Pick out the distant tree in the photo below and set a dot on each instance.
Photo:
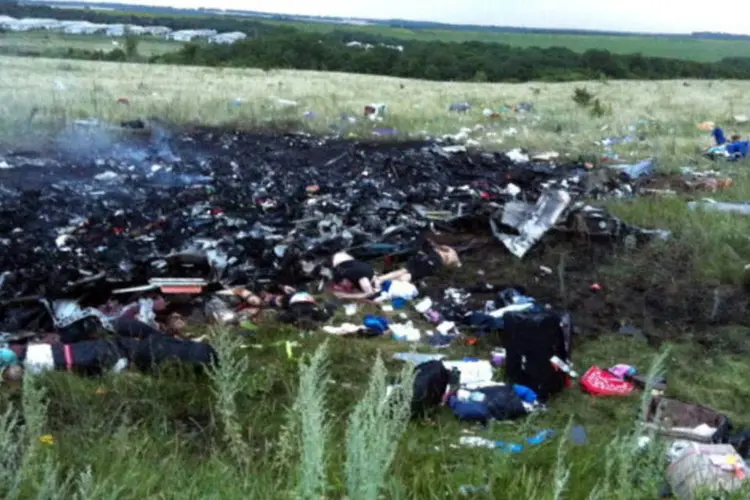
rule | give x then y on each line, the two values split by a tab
131	45
431	72
480	76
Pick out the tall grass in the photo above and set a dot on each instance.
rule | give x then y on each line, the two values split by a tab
375	428
229	379
316	457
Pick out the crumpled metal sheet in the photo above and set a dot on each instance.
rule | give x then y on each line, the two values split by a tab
532	221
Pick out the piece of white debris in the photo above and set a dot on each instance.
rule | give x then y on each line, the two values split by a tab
106	176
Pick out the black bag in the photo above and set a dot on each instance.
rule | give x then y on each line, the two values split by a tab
503	402
531	339
430	384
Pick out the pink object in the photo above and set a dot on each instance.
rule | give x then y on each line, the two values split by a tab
598	382
620	370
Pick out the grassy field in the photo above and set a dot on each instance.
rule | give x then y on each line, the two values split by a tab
679	48
267	426
57	44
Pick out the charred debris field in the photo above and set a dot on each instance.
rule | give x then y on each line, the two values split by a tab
98	212
100	207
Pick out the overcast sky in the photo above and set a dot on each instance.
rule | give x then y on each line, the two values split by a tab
666	16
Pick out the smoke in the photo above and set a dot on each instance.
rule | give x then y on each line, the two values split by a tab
135	142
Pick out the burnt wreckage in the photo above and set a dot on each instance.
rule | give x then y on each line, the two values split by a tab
217	209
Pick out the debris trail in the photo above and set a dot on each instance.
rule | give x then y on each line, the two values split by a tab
260	204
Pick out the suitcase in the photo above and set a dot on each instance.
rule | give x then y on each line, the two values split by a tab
675	419
531	339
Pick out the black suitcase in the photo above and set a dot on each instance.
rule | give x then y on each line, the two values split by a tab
531	339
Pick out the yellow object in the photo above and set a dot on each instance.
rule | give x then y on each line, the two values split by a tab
289	352
47	439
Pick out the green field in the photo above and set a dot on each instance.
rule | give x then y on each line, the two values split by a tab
686	48
57	44
658	46
672	47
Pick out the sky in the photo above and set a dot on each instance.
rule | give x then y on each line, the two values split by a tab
662	16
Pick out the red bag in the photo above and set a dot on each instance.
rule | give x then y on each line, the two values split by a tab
599	382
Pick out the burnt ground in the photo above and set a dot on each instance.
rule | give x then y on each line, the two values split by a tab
654	288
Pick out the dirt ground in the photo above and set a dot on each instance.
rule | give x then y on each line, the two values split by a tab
607	288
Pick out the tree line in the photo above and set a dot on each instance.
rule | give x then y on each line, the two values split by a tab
467	61
282	47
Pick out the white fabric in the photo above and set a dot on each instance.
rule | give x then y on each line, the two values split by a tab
120	366
340	258
39	358
402	290
300	297
472	372
146	312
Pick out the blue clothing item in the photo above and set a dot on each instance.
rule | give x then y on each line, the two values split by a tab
376	323
636	170
7	358
398	303
718	134
469	411
541	437
739	148
527	395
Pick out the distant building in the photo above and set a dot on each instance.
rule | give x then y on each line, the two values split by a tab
116	30
227	38
188	35
30	24
368	46
83	28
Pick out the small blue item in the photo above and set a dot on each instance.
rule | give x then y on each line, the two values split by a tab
718	134
511	296
636	170
470	360
578	435
398	303
534	440
541	437
509	447
7	358
376	323
386	285
527	395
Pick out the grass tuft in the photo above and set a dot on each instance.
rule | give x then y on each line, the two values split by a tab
375	428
